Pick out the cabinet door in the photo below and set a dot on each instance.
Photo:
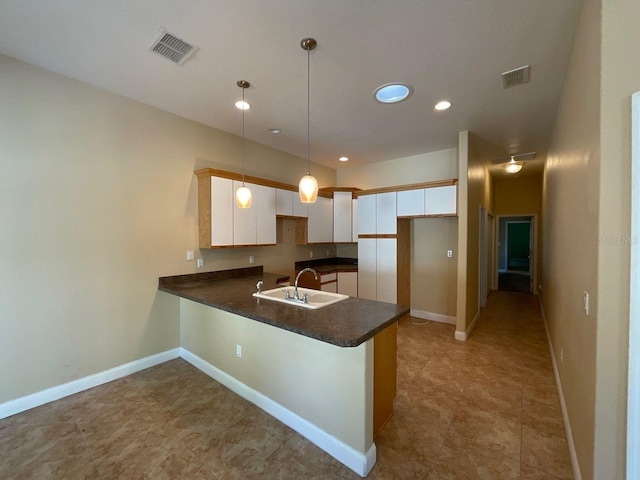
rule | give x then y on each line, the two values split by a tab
386	217
222	201
367	268
386	270
266	215
348	283
330	287
284	202
342	217
327	219
299	209
367	214
314	225
411	203
441	200
354	217
244	219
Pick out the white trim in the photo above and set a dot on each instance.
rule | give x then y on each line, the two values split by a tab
563	406
435	317
464	336
361	463
633	390
42	397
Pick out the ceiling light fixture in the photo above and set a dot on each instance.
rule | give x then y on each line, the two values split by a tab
243	194
512	166
344	159
392	92
443	105
241	104
274	130
308	188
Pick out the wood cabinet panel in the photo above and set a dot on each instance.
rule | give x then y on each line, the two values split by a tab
385	364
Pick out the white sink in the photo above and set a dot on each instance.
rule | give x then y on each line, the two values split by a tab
315	298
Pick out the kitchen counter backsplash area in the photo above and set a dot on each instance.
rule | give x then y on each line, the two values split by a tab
338	263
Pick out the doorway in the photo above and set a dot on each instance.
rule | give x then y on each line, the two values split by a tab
516	262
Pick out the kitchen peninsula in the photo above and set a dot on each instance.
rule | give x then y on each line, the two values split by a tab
311	369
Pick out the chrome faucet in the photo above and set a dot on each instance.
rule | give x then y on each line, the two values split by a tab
295	289
259	286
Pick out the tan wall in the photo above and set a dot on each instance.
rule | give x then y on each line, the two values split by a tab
97	200
284	367
431	238
620	78
517	196
474	190
570	256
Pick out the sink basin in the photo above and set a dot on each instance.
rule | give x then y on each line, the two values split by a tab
316	298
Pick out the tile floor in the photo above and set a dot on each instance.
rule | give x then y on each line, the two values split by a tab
484	409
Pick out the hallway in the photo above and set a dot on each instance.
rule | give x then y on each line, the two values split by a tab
487	408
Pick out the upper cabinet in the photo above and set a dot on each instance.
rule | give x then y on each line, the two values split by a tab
377	214
342	217
215	212
428	202
320	225
288	204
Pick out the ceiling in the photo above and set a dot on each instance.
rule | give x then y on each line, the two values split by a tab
445	49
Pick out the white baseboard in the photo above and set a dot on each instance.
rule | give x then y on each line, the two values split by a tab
361	463
435	317
563	406
464	336
33	400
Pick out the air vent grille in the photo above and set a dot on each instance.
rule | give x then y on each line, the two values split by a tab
516	77
173	48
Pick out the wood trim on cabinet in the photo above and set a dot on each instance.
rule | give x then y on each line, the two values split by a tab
413	186
403	295
377	235
212	172
438	215
332	190
385	360
204	212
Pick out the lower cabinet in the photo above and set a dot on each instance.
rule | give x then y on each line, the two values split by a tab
377	269
348	283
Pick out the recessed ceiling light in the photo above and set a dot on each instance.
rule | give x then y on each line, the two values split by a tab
442	105
344	159
392	92
242	105
274	130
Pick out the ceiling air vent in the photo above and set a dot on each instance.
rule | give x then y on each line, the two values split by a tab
173	48
516	77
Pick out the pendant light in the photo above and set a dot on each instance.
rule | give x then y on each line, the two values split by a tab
308	188
243	194
512	166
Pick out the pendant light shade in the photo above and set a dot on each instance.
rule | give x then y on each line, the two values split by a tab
243	194
308	188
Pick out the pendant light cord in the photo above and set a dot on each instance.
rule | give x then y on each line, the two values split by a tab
308	114
243	138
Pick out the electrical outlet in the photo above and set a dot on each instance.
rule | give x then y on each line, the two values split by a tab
310	254
239	351
327	253
190	255
449	253
251	259
200	262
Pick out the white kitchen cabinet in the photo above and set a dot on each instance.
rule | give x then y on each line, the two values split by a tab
342	217
266	214
354	220
348	283
386	213
441	200
244	219
221	215
284	202
367	214
411	203
320	225
367	268
329	287
288	204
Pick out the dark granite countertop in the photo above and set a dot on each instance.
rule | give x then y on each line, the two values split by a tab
346	324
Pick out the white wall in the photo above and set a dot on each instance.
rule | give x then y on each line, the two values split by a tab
97	200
